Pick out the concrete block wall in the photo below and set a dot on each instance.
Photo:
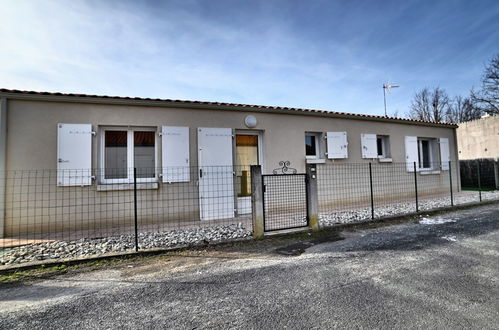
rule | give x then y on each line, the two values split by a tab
478	138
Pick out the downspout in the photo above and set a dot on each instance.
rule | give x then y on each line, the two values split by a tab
3	155
456	158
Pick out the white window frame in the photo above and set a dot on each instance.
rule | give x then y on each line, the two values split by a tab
130	154
432	143
317	137
385	146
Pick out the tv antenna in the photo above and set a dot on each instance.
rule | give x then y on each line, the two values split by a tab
386	89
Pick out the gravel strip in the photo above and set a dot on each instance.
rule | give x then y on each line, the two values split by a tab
123	243
364	214
98	246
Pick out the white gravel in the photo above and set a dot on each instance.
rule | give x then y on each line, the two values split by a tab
364	214
98	246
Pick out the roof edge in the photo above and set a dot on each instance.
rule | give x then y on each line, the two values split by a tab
157	102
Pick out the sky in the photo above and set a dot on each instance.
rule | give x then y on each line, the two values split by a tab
329	55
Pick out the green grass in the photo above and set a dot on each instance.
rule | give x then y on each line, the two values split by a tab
42	271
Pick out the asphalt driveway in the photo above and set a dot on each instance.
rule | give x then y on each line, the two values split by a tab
435	272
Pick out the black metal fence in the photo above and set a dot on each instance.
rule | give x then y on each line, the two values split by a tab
479	173
285	201
51	214
363	191
123	209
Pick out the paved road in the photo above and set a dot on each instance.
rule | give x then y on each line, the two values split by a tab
439	275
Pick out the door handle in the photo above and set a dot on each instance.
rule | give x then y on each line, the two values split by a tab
200	173
60	160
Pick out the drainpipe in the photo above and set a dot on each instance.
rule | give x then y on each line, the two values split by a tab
496	172
3	150
456	158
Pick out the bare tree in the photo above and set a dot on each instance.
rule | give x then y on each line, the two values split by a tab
487	98
462	109
430	105
420	106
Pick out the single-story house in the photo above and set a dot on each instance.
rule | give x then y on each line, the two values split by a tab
91	144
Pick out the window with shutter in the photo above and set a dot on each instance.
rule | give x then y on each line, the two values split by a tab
411	152
337	145
125	149
444	154
428	156
175	154
369	146
313	145
74	154
383	147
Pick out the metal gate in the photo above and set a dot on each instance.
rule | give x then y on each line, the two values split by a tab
284	201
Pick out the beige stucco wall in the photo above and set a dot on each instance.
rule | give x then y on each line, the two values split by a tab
32	128
479	138
32	145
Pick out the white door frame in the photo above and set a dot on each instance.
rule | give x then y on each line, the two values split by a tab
260	144
242	202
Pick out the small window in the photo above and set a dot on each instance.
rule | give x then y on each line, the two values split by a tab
379	142
383	146
427	153
126	149
312	145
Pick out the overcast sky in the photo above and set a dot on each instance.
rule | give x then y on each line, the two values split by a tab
332	55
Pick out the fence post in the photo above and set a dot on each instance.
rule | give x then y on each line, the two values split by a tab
257	201
372	192
416	186
312	197
135	206
450	181
479	180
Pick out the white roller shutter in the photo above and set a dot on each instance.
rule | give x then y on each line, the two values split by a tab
175	153
411	153
337	145
369	146
444	154
74	154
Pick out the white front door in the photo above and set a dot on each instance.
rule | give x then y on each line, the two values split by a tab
216	176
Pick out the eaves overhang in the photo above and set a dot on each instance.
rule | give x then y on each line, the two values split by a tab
151	102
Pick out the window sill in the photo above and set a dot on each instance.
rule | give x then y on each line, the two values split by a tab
315	161
127	186
385	160
429	172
